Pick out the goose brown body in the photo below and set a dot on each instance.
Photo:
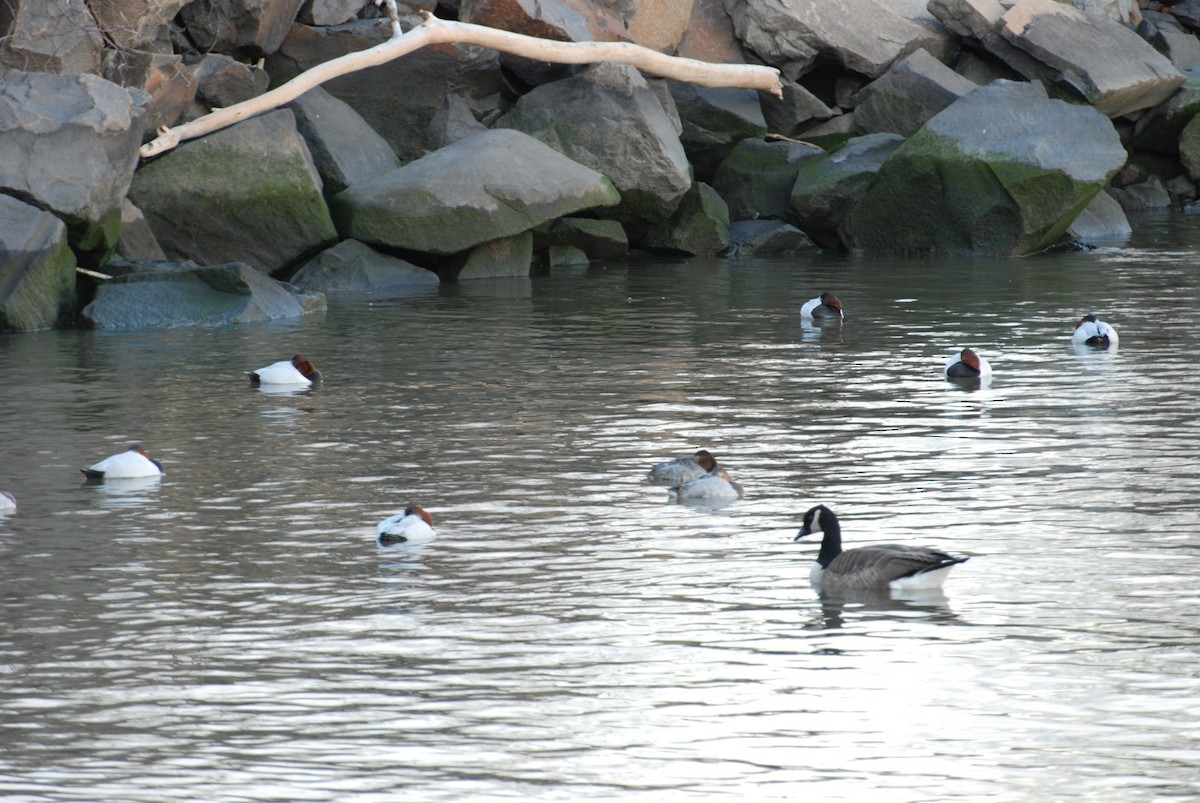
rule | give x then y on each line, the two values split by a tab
876	566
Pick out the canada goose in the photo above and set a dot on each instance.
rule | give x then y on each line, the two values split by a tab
1090	331
967	364
299	370
131	463
682	469
827	306
878	566
413	526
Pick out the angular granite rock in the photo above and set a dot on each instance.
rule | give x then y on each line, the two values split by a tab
1002	171
426	77
865	36
69	143
1113	68
252	27
351	266
901	100
609	119
599	239
766	237
713	121
490	185
344	148
248	193
1102	219
40	36
37	267
166	294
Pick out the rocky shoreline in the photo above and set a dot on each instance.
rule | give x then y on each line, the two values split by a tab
947	127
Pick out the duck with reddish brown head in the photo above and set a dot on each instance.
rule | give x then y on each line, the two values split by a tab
129	464
411	528
299	370
968	364
682	469
1091	331
826	307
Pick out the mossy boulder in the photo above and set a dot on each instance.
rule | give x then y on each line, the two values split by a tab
700	224
757	177
37	267
1002	171
249	193
827	189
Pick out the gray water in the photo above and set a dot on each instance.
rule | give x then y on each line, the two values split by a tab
233	633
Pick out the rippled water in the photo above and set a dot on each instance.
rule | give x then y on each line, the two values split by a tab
234	633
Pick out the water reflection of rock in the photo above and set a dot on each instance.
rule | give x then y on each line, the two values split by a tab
839	607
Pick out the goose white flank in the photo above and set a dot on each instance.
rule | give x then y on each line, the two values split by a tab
129	464
892	566
299	370
412	527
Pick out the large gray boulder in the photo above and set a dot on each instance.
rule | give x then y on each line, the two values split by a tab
506	258
827	189
248	193
609	119
713	121
864	36
222	81
1159	129
49	37
69	143
1101	220
345	149
1110	66
250	27
794	111
398	99
491	185
37	267
902	99
172	294
757	177
135	24
170	88
1003	171
351	266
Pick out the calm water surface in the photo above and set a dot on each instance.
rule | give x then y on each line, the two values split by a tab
233	632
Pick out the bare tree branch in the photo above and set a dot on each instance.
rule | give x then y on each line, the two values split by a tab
433	31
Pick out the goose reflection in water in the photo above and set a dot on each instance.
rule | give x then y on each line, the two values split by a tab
840	608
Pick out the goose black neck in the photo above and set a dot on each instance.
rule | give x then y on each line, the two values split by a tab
831	540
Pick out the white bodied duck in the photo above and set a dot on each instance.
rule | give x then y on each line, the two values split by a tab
413	526
968	364
825	307
892	566
1091	331
682	469
8	503
715	486
299	370
129	464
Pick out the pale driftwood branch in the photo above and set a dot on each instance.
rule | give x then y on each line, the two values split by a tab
434	31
